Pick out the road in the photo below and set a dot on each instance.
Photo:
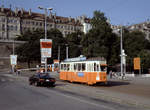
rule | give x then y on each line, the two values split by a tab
17	94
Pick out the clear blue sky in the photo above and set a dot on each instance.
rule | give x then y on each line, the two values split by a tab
119	11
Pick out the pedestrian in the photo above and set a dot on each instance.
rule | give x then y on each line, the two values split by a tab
110	74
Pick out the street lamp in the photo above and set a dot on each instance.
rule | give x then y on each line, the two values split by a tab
123	56
41	8
66	51
121	48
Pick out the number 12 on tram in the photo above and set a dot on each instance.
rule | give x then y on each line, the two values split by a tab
90	72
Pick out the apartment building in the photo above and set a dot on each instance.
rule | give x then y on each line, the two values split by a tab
143	27
16	22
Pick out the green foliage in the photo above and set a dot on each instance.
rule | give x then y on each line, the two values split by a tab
99	19
136	45
134	42
30	51
100	40
58	40
73	42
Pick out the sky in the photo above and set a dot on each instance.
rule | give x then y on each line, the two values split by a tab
120	12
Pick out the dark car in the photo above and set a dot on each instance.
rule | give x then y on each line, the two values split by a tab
42	79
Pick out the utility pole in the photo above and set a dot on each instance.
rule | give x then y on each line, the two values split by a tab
66	51
13	47
121	48
13	66
45	30
59	52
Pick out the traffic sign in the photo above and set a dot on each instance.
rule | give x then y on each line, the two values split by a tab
13	59
46	48
137	63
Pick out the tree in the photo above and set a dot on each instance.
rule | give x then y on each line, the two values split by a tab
58	40
136	45
73	42
30	51
100	40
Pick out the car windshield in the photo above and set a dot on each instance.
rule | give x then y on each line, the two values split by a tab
44	75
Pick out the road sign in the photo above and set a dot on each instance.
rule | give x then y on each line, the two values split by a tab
137	63
46	48
13	59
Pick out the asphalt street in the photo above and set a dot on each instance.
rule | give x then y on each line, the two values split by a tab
16	94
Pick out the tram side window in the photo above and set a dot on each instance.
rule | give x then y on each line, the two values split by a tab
103	68
83	67
68	67
79	66
95	67
65	67
98	67
89	67
75	67
62	67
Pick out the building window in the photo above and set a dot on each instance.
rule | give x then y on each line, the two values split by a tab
16	28
62	27
15	21
36	23
3	19
3	27
11	28
40	24
51	25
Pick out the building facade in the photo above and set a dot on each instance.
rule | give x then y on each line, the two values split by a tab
13	23
143	27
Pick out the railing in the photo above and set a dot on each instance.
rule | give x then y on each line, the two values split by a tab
11	41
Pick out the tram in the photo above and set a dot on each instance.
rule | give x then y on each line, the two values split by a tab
83	71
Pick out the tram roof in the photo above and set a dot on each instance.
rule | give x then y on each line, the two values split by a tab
87	60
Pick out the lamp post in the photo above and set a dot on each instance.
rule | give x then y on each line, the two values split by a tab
59	52
123	56
121	48
66	51
41	8
13	66
45	18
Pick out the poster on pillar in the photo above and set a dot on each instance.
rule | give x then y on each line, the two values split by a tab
13	59
137	63
46	48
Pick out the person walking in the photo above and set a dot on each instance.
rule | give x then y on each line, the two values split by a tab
110	74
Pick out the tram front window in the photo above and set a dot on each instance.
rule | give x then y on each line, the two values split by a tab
103	68
83	67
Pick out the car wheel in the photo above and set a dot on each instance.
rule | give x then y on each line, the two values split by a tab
52	85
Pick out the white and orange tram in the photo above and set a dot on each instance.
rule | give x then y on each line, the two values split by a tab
86	71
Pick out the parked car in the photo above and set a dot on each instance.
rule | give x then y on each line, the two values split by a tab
42	79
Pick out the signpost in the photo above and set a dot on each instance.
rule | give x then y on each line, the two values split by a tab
137	64
46	50
13	61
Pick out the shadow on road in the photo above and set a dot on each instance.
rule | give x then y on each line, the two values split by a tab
60	84
112	83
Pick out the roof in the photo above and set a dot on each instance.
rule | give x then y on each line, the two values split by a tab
32	15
